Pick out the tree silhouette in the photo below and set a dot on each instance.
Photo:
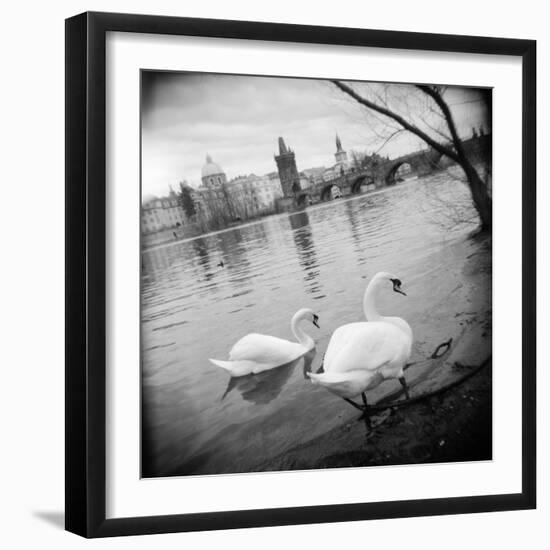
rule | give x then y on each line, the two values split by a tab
447	143
186	201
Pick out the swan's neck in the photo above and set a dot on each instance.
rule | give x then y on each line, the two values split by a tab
300	334
369	301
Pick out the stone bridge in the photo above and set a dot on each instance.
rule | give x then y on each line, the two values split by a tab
419	163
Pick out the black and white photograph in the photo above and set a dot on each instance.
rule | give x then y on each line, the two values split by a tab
262	288
316	273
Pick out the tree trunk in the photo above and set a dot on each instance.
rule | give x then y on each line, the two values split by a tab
480	196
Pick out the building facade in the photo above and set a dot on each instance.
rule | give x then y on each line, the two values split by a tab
219	201
161	213
256	194
242	196
269	191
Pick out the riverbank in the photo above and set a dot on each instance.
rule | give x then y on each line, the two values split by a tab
440	425
453	426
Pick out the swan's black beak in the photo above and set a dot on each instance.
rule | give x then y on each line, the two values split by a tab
316	321
397	286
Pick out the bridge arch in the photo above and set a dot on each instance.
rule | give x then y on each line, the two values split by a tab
326	192
390	176
302	200
355	187
405	169
421	163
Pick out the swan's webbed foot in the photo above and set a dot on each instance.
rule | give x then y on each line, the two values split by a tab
405	387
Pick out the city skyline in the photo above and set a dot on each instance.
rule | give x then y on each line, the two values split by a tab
237	121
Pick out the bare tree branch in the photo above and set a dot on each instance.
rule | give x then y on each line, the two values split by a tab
388	139
436	96
399	119
454	150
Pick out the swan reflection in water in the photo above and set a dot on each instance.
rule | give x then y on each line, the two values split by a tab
264	387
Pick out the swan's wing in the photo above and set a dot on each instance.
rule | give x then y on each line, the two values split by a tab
235	368
264	349
367	346
402	324
344	384
340	337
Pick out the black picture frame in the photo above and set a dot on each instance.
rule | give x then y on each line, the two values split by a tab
86	269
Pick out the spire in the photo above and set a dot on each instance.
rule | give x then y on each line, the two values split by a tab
208	159
282	147
338	144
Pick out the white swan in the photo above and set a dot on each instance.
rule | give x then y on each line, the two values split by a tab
362	355
256	353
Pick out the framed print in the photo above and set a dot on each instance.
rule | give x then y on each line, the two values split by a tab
284	300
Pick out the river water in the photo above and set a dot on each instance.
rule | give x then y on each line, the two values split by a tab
195	419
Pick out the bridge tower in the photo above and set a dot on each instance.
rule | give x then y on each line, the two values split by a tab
341	156
288	173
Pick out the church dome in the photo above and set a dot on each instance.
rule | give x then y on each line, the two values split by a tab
211	168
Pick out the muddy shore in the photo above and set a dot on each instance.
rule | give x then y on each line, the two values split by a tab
452	426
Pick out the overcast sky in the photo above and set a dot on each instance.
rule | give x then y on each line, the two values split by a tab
238	119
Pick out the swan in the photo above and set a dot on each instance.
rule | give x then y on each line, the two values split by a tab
361	355
256	353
